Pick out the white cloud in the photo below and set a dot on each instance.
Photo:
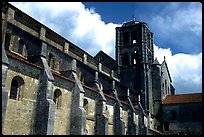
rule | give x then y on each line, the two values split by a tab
178	19
184	68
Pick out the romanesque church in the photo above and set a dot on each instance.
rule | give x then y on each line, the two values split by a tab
52	87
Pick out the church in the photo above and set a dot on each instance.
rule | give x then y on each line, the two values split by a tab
52	87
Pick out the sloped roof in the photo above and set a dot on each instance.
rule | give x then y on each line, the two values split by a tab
164	63
183	98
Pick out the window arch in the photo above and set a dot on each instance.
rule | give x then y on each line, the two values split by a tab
57	98
173	115
16	88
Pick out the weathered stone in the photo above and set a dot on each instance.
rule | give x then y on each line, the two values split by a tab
45	107
78	114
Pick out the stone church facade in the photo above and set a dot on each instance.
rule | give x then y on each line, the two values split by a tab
52	87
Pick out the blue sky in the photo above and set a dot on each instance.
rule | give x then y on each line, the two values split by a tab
155	13
177	28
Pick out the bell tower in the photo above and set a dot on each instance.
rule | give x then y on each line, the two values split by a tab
134	57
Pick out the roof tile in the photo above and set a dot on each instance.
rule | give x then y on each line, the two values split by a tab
183	98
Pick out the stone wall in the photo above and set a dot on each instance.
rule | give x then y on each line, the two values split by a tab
20	113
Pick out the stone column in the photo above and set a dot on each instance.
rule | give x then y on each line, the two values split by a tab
78	114
132	127
45	106
5	64
118	123
101	118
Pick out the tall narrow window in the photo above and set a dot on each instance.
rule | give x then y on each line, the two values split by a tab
134	57
16	88
125	59
134	37
57	98
126	38
173	115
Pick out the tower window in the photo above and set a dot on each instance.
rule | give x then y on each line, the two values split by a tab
16	88
126	60
57	98
134	36
126	38
134	57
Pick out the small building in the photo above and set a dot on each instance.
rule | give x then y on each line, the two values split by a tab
182	114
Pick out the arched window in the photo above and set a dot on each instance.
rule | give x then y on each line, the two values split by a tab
125	60
57	98
86	105
16	88
173	115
